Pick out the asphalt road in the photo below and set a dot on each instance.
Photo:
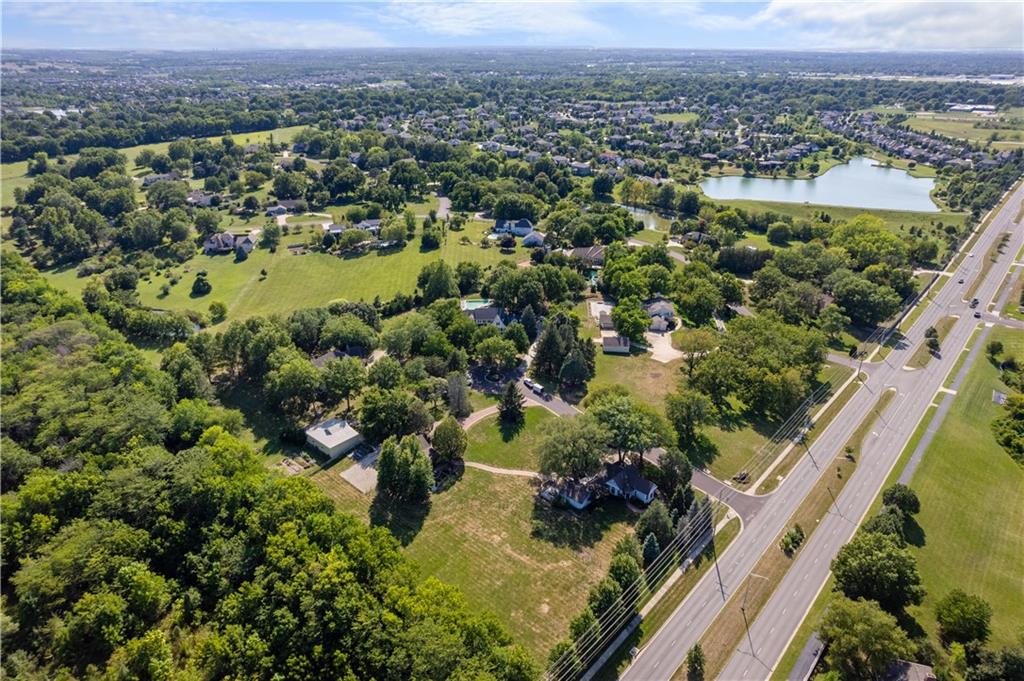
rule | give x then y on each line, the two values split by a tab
772	630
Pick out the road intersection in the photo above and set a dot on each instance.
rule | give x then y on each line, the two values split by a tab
772	630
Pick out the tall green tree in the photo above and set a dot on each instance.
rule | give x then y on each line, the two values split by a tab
963	617
573	448
343	379
511	406
876	567
449	441
861	640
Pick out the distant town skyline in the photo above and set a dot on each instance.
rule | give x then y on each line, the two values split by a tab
775	24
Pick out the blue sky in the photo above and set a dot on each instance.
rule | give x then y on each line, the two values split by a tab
773	24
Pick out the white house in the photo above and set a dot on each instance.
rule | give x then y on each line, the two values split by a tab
487	315
626	482
534	239
333	437
520	227
575	494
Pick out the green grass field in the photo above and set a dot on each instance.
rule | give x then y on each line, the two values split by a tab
972	504
679	117
737	438
530	565
1008	131
493	444
296	281
900	221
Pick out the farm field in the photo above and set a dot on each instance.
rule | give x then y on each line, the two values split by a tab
296	281
1009	131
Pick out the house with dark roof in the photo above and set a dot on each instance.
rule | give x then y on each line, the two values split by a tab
701	238
625	481
482	316
575	494
615	345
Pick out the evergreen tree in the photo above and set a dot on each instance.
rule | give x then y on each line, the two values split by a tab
574	370
458	395
695	663
510	408
651	549
550	354
529	321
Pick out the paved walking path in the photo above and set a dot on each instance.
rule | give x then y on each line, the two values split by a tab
497	470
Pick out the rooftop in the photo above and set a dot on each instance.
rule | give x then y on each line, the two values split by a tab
332	432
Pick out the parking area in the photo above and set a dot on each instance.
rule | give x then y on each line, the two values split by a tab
363	474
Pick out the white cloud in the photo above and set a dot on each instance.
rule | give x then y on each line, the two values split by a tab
189	26
536	19
903	25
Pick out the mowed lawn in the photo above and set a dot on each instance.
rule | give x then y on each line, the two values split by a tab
962	126
492	443
972	504
737	438
678	117
297	281
530	565
899	221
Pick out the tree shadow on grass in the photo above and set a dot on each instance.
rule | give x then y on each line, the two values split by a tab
913	532
910	625
402	519
577	530
510	429
703	451
265	422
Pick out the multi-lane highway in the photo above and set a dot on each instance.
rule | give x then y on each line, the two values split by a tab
772	630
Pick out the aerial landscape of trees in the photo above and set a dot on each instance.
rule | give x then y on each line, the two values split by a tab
204	256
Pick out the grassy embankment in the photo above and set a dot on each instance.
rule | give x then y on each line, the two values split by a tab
959	545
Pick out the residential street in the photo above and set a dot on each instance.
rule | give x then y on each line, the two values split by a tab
772	630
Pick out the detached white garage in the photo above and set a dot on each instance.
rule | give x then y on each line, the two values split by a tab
333	437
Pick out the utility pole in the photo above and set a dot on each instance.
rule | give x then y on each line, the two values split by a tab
834	504
743	611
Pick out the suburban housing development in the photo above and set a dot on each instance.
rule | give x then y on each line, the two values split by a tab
511	362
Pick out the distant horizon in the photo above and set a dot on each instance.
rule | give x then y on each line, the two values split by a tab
512	48
764	25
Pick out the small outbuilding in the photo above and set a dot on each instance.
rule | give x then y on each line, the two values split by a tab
616	345
333	437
